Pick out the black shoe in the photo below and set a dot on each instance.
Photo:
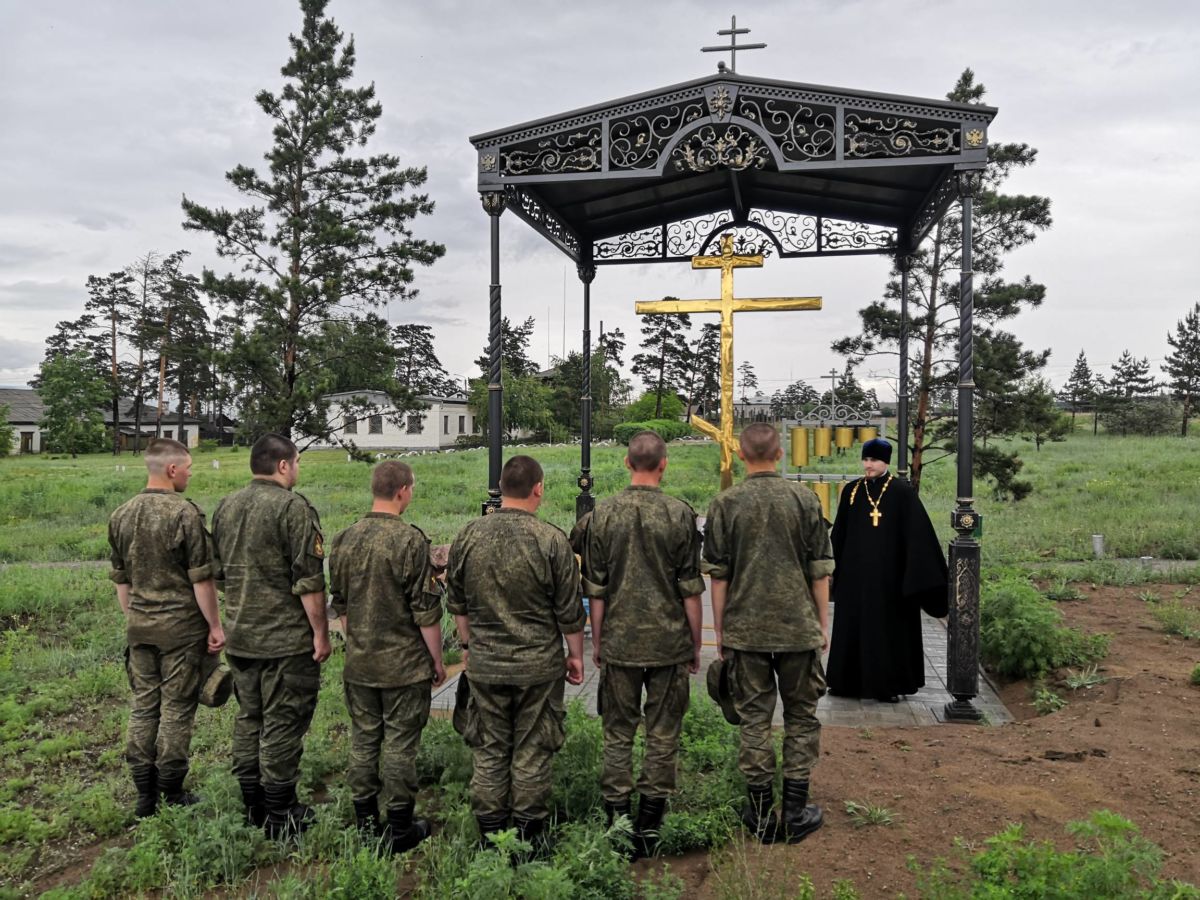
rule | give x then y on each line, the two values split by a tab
533	832
366	815
625	843
286	817
758	814
406	831
145	779
255	801
171	788
490	823
649	819
620	808
891	698
800	818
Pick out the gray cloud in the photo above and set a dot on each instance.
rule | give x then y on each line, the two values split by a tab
42	296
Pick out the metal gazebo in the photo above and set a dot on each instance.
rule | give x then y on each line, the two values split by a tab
793	171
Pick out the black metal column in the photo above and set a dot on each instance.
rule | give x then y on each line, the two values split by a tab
962	652
904	264
493	205
585	502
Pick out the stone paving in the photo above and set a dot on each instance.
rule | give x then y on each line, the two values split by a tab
923	708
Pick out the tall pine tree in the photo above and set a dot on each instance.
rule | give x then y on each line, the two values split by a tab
1182	364
1079	390
664	361
1003	223
329	234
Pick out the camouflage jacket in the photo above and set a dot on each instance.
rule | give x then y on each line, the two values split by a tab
642	558
270	552
160	548
515	578
380	581
766	537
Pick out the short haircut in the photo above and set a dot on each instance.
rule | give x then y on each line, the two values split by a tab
519	476
646	450
268	451
760	442
389	477
161	452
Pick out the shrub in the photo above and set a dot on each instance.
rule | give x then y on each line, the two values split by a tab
208	445
667	429
1021	632
1196	675
644	407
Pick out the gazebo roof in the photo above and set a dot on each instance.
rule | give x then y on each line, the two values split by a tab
793	169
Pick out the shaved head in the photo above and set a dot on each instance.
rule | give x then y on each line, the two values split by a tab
646	451
760	443
161	452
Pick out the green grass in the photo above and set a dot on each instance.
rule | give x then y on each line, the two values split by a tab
863	814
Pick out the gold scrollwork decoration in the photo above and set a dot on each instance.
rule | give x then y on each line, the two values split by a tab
733	148
890	136
720	104
578	151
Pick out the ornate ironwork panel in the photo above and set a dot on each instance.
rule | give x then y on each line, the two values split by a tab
574	151
934	206
687	238
795	233
543	219
749	239
637	141
835	413
840	235
872	135
647	243
716	147
803	131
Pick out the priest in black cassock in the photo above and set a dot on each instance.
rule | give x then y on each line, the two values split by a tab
889	565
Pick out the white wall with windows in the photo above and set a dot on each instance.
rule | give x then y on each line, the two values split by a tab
438	426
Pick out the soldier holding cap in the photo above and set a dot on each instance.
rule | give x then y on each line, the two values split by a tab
163	568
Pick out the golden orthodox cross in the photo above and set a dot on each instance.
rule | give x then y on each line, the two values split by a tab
727	261
876	515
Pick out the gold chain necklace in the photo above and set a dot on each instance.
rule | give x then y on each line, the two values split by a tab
875	514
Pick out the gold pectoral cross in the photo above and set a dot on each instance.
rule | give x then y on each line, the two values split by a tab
727	261
875	515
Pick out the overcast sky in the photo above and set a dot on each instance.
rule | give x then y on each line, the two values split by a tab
111	110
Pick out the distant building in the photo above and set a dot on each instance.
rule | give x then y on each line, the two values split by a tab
26	410
754	409
439	425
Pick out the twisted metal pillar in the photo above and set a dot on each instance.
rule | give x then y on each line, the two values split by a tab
585	502
962	652
493	205
904	263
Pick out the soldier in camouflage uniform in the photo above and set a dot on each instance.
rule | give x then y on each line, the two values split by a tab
768	553
271	557
641	569
163	569
381	583
514	592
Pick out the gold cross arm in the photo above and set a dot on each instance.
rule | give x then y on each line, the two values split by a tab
759	304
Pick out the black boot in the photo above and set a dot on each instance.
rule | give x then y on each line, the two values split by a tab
533	832
406	831
649	819
285	816
758	814
800	818
490	823
145	779
366	815
171	788
620	808
255	801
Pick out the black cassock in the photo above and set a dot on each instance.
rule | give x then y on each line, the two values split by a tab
884	575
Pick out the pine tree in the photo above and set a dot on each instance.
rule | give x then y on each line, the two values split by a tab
665	360
1182	364
109	299
747	378
1131	377
417	365
330	236
1080	388
1003	223
514	350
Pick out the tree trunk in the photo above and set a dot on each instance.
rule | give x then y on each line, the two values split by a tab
918	449
116	387
162	373
662	368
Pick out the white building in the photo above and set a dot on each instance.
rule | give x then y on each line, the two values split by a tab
438	426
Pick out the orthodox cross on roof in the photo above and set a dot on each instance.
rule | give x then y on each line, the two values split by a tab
733	31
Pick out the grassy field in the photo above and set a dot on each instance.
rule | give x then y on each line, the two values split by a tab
64	792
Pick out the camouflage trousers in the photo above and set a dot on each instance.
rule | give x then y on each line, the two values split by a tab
799	680
516	730
276	700
166	684
620	702
385	731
